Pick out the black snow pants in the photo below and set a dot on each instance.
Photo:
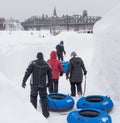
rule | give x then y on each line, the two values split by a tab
75	85
60	56
54	86
44	101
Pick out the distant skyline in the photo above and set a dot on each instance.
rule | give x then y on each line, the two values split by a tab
23	9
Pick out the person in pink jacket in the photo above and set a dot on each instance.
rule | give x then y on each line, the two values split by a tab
57	71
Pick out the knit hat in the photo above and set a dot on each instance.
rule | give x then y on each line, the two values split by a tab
73	54
39	55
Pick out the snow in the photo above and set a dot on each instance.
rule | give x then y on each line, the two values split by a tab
107	52
100	53
17	49
106	70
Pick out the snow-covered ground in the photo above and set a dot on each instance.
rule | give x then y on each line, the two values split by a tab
100	53
17	49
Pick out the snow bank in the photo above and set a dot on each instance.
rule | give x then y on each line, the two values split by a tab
13	106
106	59
105	68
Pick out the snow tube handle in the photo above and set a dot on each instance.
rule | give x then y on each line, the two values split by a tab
108	96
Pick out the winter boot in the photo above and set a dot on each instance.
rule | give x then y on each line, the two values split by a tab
44	105
80	94
33	100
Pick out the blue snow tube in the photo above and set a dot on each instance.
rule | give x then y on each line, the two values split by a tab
95	101
88	115
65	66
60	102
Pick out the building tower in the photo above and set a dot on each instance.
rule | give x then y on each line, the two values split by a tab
54	13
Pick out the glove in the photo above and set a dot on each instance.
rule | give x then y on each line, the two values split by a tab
85	73
61	73
23	85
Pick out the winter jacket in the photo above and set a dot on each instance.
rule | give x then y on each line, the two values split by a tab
55	65
38	69
75	70
60	49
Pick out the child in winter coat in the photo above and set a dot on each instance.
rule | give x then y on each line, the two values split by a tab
57	70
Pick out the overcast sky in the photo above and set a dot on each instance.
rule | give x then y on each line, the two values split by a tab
23	9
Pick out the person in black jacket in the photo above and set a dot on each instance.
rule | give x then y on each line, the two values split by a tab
39	69
60	50
76	69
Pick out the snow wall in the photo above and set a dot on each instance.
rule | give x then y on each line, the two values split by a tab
105	68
